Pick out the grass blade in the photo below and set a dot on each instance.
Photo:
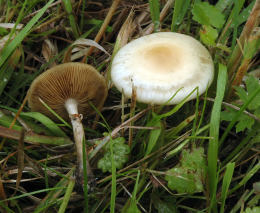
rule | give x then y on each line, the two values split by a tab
82	15
214	133
155	13
67	195
33	138
47	122
226	182
73	23
241	146
247	176
55	192
180	9
133	204
222	4
33	193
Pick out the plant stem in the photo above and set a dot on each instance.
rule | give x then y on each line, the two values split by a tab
71	106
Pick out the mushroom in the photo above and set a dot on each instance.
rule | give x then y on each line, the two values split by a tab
67	89
161	64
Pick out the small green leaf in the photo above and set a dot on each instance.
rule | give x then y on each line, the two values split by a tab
244	122
120	153
208	35
243	95
189	176
227	116
206	14
255	209
253	84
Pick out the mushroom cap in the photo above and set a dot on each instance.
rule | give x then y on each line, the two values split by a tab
73	80
159	64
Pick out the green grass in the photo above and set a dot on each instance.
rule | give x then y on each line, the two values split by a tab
214	133
226	183
73	23
155	13
38	168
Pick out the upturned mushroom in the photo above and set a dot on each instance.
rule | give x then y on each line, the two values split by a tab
67	89
162	64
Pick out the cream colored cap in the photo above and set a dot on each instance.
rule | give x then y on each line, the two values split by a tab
160	64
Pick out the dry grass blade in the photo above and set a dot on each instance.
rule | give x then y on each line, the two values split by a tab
2	192
5	39
247	60
49	50
123	36
33	138
111	11
114	133
81	51
11	25
125	32
252	21
20	160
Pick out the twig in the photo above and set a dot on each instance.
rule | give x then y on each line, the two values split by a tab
114	133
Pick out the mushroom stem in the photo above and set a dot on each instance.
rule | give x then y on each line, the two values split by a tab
71	106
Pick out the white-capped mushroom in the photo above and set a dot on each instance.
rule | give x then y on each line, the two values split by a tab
160	64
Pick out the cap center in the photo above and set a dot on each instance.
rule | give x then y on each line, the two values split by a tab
161	59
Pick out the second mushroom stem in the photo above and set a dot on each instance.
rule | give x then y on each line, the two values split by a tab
71	106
